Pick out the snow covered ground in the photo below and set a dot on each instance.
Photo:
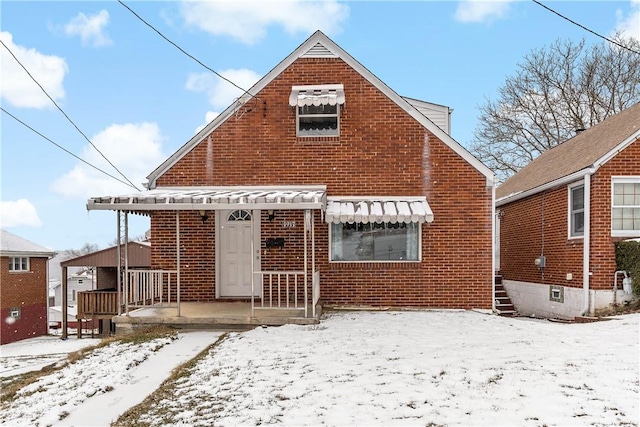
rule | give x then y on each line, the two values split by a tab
373	368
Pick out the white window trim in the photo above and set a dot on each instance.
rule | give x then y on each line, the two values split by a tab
15	312
328	135
570	188
633	179
20	270
397	261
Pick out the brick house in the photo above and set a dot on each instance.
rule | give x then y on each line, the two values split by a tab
23	288
559	217
323	179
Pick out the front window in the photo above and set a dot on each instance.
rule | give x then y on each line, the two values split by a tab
19	264
625	209
318	120
375	242
576	211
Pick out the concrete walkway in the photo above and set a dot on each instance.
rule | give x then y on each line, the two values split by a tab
103	409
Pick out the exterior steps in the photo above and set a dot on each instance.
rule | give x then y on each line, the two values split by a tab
504	306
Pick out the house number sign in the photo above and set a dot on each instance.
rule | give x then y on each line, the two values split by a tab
288	224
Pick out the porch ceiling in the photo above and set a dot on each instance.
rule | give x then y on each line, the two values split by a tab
212	198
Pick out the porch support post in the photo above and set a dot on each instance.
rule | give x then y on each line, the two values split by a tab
306	267
118	272
126	253
64	303
178	259
253	275
313	263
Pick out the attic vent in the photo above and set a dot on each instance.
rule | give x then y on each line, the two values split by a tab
318	51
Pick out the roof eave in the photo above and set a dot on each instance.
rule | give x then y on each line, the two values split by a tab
575	176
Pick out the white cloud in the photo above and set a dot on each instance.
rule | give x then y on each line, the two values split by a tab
481	11
629	25
248	21
135	149
17	88
91	29
19	212
221	93
207	119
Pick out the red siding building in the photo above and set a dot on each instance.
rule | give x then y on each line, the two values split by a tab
23	288
322	169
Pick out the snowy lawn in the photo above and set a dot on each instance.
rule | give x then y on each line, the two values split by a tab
414	368
360	368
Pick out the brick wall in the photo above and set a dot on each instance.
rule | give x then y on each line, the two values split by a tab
27	290
381	151
522	236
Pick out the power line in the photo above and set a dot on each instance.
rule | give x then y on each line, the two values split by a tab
587	29
67	117
63	149
185	52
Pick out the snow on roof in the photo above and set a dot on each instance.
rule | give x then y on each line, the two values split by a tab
12	244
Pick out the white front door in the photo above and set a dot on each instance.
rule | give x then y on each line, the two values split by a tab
234	261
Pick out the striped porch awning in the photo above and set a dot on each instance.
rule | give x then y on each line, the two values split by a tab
212	198
378	210
317	95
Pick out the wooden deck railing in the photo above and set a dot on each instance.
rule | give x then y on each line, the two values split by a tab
97	303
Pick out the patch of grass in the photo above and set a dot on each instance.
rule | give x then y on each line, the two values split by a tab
166	391
11	385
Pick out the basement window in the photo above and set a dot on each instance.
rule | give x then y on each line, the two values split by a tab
556	294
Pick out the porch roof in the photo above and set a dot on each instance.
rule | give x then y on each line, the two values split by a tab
378	209
212	198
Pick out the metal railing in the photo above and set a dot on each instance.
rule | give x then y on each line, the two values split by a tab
286	290
144	288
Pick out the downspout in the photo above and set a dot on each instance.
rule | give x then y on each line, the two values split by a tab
493	248
586	242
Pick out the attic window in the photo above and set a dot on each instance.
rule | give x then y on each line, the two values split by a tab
317	109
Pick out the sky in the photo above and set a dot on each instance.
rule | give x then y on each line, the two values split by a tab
138	99
410	368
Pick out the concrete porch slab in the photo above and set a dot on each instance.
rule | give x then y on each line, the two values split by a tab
212	315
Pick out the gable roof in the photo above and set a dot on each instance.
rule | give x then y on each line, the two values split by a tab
570	160
320	46
12	245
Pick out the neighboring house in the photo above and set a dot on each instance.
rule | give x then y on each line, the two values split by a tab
23	288
560	216
81	281
323	177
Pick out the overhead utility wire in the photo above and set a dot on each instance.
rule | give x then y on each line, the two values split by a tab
586	29
185	52
68	118
61	147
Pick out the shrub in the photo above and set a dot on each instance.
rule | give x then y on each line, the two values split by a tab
628	259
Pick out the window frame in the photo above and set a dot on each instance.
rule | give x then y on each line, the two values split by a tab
328	135
570	211
15	312
633	179
12	264
402	261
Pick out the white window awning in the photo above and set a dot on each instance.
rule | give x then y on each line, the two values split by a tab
378	210
317	95
212	198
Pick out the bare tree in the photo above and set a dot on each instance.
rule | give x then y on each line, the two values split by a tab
556	91
87	248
